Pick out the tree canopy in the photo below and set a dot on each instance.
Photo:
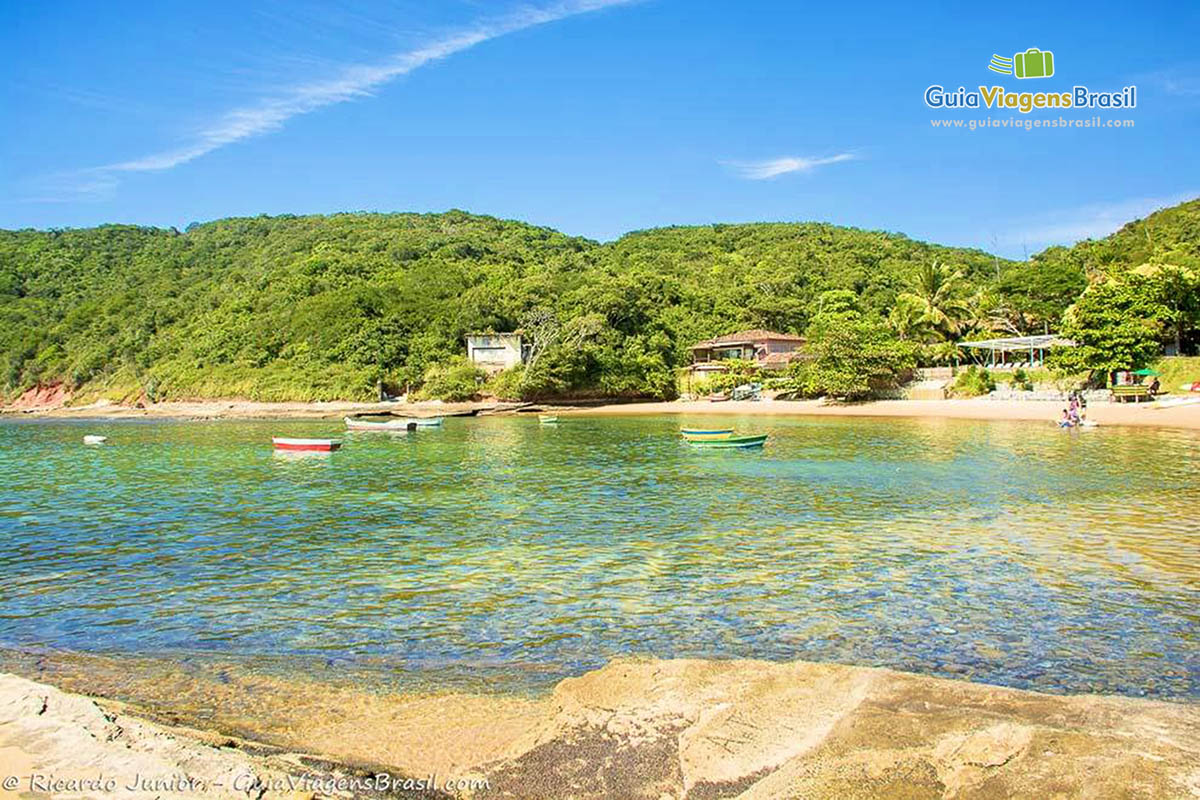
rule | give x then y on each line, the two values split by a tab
324	307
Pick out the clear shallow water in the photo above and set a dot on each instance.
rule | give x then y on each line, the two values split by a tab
1002	552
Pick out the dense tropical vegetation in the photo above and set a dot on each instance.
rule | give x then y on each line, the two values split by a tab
323	307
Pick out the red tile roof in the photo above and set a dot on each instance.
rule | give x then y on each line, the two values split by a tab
752	335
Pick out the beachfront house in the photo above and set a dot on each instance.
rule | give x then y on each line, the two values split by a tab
766	349
495	352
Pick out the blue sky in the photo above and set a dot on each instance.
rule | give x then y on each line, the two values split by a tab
595	117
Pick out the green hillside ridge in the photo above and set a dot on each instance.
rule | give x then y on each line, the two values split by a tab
326	307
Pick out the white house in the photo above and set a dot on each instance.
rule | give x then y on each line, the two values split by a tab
493	352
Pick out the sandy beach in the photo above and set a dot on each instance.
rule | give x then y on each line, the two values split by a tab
1144	414
1126	414
246	409
635	728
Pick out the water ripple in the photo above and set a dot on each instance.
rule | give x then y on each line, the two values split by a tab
1001	552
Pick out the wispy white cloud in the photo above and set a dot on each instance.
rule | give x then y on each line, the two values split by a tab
66	187
774	167
1092	221
1178	81
1181	85
349	83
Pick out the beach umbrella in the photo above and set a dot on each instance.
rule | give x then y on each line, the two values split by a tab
1146	372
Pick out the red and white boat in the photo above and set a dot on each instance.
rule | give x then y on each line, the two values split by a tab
311	445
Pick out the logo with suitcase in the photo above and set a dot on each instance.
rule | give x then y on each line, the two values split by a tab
1033	63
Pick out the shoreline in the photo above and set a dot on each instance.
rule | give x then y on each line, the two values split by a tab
1106	414
248	409
634	728
1115	414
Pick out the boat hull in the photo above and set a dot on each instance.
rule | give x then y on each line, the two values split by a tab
731	442
366	425
697	434
306	445
426	422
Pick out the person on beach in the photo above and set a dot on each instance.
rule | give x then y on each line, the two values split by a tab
1074	408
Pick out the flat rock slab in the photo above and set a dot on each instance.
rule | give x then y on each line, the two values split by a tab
651	729
756	730
60	745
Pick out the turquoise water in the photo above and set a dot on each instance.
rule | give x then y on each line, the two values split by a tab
1010	553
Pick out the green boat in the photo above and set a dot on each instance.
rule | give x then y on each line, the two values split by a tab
730	441
694	434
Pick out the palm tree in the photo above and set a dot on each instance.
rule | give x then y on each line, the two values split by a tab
907	319
940	293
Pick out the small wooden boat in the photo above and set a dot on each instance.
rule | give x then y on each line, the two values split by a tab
309	445
547	419
93	439
426	422
697	434
369	425
740	442
718	397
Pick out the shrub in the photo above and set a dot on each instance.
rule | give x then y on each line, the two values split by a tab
455	380
737	372
973	382
1021	381
506	385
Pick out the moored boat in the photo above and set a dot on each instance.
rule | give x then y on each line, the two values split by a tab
741	442
93	439
547	419
696	434
370	425
310	445
426	422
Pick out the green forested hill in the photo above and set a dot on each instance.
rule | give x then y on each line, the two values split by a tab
1170	235
284	307
323	307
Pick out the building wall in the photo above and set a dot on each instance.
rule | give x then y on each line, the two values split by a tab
494	352
782	346
758	351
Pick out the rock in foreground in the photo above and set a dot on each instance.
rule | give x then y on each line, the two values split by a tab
658	729
754	730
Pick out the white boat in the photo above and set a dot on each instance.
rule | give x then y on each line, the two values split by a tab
547	419
426	422
368	425
93	439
